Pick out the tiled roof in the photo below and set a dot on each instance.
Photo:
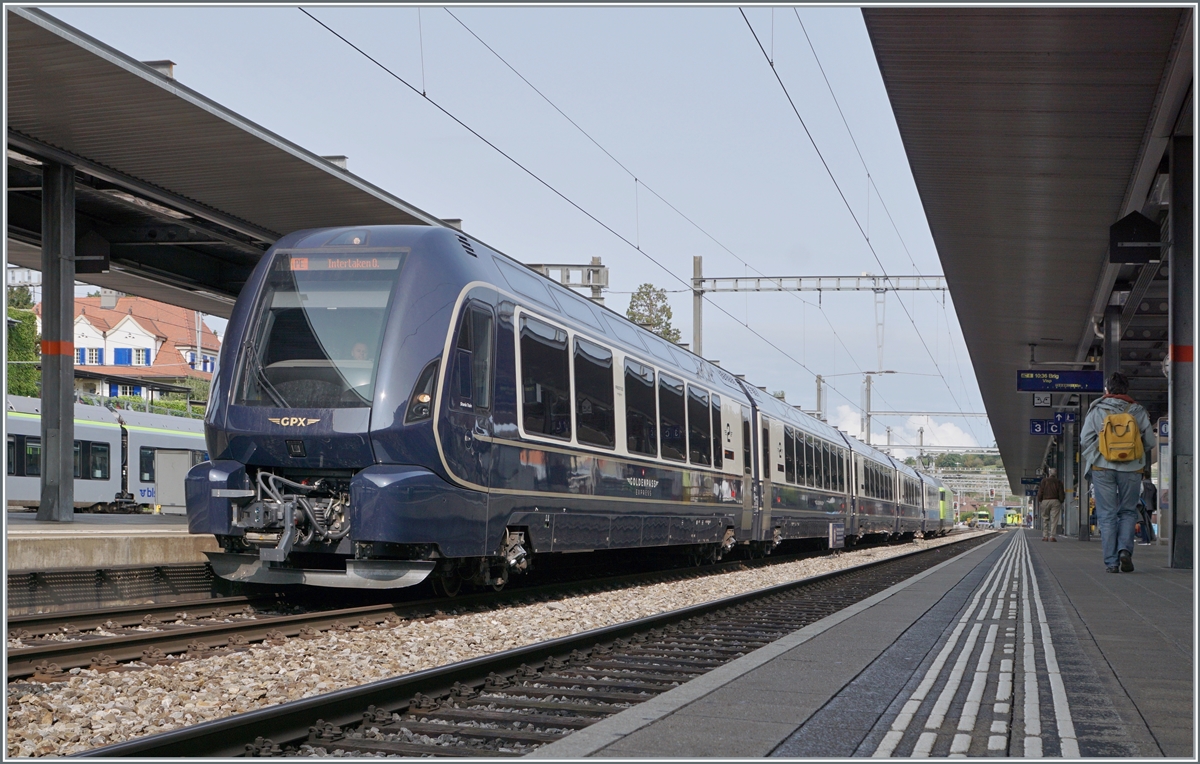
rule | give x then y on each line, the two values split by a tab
169	322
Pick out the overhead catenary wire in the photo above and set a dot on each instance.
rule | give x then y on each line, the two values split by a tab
639	182
882	201
849	208
563	196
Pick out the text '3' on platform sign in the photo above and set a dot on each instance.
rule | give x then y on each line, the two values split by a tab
1029	381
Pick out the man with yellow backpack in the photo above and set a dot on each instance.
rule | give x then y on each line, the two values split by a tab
1116	440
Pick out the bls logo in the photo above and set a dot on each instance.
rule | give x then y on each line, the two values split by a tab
293	421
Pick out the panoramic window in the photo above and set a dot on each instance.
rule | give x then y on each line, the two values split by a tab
671	418
699	427
545	379
719	455
789	455
746	468
810	463
641	419
317	340
594	403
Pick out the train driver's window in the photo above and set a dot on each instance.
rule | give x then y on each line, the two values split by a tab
699	427
481	368
146	464
545	379
594	399
789	455
719	454
98	461
641	421
77	459
33	456
671	418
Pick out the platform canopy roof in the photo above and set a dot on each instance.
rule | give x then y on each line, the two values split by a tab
1029	131
186	193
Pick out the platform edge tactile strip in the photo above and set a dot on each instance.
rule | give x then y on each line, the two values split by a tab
599	736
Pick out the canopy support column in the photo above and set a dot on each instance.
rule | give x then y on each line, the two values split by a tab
1181	404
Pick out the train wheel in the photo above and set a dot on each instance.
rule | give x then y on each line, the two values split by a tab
446	585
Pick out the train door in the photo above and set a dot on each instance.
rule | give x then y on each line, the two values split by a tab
469	445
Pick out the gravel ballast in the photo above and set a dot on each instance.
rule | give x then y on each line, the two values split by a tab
94	709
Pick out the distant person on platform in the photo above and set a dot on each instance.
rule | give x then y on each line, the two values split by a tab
1147	506
1116	440
1050	497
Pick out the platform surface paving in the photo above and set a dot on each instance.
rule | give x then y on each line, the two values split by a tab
1015	648
98	541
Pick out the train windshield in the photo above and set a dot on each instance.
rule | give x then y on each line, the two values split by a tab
317	339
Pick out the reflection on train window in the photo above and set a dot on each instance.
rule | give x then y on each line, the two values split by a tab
78	460
545	383
671	417
719	454
746	440
699	427
641	422
789	455
318	338
12	456
33	456
146	464
594	403
98	461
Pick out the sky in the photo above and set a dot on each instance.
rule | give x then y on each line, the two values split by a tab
691	148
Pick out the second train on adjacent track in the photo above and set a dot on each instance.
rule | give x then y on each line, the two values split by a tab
399	402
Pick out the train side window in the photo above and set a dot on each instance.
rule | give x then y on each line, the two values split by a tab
841	470
481	366
545	379
765	454
699	427
746	467
420	403
641	419
12	456
146	464
33	456
98	461
810	463
718	435
671	418
462	383
594	398
827	463
77	459
789	455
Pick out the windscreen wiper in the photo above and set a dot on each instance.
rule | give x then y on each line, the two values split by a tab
261	375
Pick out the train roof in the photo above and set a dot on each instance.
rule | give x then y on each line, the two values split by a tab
21	404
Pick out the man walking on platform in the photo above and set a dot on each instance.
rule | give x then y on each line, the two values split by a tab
1050	496
1116	440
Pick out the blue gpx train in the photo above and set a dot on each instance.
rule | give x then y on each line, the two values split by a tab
400	402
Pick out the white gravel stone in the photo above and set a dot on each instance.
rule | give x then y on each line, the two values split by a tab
93	709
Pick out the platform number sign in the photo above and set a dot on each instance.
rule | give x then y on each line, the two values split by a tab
1037	427
1043	400
1054	428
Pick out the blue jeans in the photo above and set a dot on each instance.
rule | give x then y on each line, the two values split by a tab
1117	495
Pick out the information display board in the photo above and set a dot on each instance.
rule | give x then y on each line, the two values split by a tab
1037	381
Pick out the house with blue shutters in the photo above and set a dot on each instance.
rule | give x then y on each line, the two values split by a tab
132	339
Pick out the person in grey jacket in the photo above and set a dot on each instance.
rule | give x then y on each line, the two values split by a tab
1117	485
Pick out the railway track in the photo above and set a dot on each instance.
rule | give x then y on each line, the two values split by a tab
103	638
513	702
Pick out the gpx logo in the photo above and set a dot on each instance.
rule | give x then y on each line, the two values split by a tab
293	421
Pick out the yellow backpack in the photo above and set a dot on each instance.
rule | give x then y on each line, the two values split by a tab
1120	438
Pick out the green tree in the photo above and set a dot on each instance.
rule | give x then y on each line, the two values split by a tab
20	297
649	307
949	460
23	339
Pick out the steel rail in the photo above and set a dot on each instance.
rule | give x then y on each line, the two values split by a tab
79	653
231	736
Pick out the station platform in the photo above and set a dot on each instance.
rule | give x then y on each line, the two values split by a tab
97	542
1015	648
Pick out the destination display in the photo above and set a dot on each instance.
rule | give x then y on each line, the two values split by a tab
339	263
1030	381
